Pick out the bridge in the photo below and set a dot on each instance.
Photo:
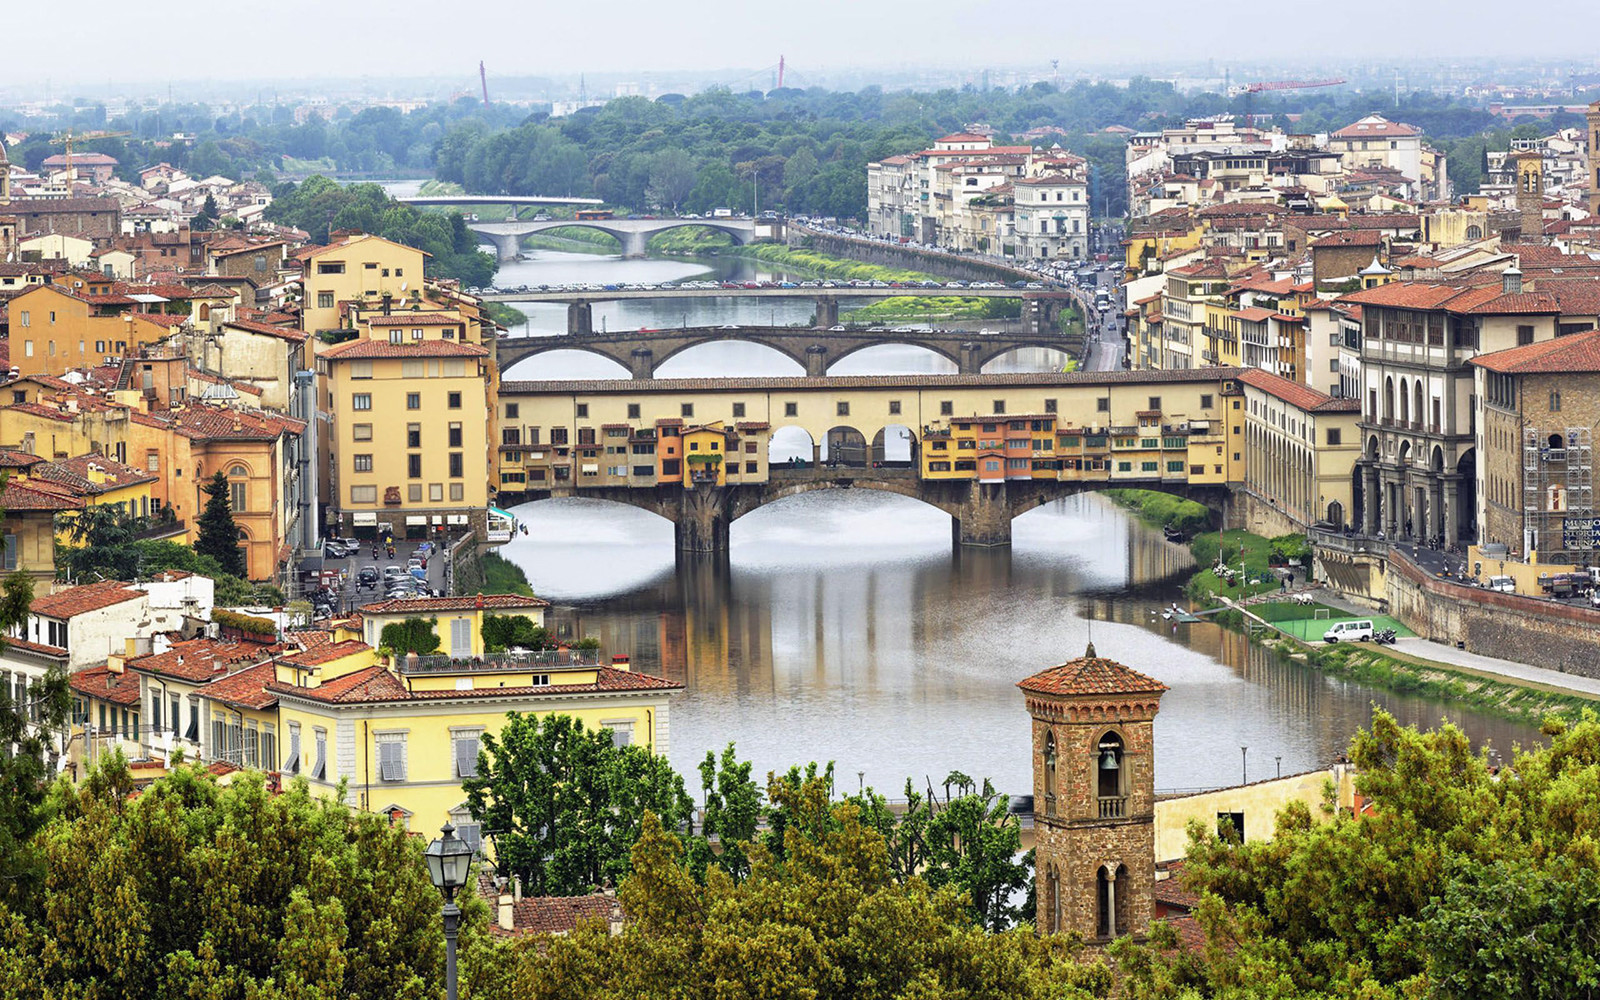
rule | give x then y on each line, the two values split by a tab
815	350
1038	437
490	199
633	234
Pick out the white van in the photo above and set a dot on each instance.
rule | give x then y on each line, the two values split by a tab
1504	584
1360	629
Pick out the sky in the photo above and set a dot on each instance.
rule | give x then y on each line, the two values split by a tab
182	40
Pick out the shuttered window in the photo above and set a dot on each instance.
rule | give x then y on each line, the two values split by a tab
292	765
466	748
391	757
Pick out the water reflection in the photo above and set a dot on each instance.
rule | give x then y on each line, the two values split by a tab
844	627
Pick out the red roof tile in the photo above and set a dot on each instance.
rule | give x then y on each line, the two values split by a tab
1578	352
361	349
200	660
282	332
326	652
466	602
1296	394
415	319
246	688
83	599
1091	675
100	682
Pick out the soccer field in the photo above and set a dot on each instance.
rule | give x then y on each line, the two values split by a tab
1311	629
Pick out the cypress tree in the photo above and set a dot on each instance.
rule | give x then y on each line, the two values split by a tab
219	536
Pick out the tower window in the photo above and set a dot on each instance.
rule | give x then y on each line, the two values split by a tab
1109	768
1050	774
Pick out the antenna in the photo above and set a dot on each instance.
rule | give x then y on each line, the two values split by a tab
483	78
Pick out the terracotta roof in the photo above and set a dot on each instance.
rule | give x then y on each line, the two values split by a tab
200	421
38	648
83	598
373	683
411	349
12	459
326	652
245	688
36	495
283	332
559	914
846	382
1375	125
1350	238
75	472
1171	891
1296	394
1091	675
100	682
1455	298
377	684
1578	352
1253	314
199	660
415	319
467	602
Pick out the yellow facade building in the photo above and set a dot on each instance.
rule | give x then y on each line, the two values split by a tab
356	268
458	621
54	330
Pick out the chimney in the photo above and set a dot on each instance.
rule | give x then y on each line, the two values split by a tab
1511	279
505	910
620	662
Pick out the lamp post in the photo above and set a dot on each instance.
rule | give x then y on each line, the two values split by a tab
1244	763
448	858
861	782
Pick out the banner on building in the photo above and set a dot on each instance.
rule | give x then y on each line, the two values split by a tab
1580	534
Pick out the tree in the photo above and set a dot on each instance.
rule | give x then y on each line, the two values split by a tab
973	845
27	760
567	803
826	922
206	218
103	538
732	814
413	635
219	536
503	632
225	891
672	177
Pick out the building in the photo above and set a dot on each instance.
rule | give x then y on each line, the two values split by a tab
30	524
97	168
1592	117
356	268
1094	797
1540	408
457	620
54	330
262	354
1376	142
90	621
1051	214
1301	450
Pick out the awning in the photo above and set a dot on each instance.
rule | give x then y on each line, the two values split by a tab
496	510
456	519
416	519
591	468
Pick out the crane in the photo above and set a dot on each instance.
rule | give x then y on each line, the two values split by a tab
483	78
1250	90
72	137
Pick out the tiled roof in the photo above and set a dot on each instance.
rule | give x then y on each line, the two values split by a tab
199	660
1375	126
1578	352
75	472
1350	238
100	682
359	349
37	648
1171	891
245	688
848	382
12	459
37	495
1295	394
83	598
1091	675
200	421
466	602
377	684
415	319
1455	298
1254	314
326	652
373	683
560	914
282	332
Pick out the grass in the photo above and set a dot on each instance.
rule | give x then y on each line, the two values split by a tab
1205	585
935	307
501	576
1163	509
827	266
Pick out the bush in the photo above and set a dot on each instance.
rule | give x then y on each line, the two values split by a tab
1164	509
503	632
245	623
414	635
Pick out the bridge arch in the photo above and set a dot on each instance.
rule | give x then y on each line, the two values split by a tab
950	354
789	443
567	347
906	488
846	446
1012	347
894	444
710	339
740	237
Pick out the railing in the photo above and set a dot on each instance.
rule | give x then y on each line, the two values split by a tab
1354	544
512	660
1113	806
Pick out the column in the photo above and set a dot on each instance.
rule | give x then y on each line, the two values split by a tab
827	312
816	360
580	319
642	363
984	517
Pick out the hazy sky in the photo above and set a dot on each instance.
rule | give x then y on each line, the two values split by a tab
106	40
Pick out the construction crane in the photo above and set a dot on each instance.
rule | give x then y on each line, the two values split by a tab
72	137
1250	90
483	78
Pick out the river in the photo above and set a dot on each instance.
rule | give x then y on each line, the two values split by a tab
843	627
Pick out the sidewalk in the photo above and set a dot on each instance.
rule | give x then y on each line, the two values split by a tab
1438	652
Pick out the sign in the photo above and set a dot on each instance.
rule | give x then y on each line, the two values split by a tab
365	518
1580	534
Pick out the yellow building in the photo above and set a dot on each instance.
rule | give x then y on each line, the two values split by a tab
355	268
1301	449
53	330
96	480
30	534
408	437
458	621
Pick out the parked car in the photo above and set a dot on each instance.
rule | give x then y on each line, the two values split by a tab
1352	631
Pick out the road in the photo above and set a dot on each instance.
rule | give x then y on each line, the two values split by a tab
352	595
1104	335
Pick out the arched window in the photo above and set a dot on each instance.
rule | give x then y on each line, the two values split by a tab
1050	773
1388	399
238	487
1405	403
1556	441
1109	776
1053	901
1474	232
1112	889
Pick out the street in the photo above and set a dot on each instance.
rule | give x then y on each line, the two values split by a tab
352	594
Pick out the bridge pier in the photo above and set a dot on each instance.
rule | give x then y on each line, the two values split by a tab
816	361
983	518
827	312
703	518
642	363
506	247
1042	315
633	244
970	361
580	319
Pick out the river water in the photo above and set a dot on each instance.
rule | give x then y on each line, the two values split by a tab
844	627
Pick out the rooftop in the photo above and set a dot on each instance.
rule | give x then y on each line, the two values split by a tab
466	602
1579	352
1091	675
83	599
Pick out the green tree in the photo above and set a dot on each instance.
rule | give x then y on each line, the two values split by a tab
219	536
567	803
102	538
672	177
503	632
732	814
974	844
30	739
206	218
413	635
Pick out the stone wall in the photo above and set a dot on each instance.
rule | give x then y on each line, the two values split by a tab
1509	626
941	265
465	566
1258	517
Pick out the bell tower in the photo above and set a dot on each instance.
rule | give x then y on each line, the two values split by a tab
1530	193
1593	115
1093	796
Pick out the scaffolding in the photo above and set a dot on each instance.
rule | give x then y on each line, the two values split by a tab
1557	483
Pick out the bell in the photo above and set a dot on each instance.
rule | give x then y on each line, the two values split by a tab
1108	760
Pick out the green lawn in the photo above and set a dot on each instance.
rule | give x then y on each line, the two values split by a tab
1312	629
1256	552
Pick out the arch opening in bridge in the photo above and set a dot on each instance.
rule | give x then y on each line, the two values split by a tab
893	357
710	237
732	357
789	446
566	363
894	446
845	446
583	234
1027	358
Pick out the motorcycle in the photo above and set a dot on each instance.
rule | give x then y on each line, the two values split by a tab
1384	637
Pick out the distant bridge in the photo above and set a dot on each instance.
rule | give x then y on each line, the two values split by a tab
641	352
633	234
491	199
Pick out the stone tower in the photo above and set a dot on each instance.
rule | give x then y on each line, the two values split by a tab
1530	193
1594	158
1093	796
5	175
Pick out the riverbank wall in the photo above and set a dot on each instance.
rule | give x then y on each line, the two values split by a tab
942	265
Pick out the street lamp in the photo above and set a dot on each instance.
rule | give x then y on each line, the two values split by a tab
448	858
1244	763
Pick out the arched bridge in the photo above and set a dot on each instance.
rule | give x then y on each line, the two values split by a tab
643	351
633	234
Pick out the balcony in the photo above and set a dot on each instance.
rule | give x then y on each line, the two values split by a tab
1113	806
577	659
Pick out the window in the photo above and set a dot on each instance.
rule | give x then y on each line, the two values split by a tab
621	732
331	267
363	494
633	411
455	465
582	410
1049	406
455	435
999	406
512	410
362	463
413	466
946	407
1205	401
319	770
27	318
414	491
1524	335
292	763
459	492
396	337
750	467
468	829
842	409
1230	826
238	488
453	400
361	401
358	432
413	400
465	744
391	756
1334	435
1103	405
324	300
1555	400
685	410
435	492
738	410
413	436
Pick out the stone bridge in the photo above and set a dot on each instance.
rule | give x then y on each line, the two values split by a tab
633	234
815	350
981	513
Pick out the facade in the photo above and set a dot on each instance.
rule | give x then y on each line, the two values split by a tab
1592	118
1301	448
356	268
1094	797
1376	142
1051	214
458	621
54	330
1536	480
